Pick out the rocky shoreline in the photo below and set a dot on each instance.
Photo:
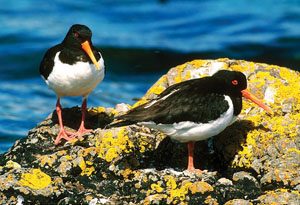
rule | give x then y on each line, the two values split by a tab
254	161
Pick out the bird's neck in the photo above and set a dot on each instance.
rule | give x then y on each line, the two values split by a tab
71	55
237	104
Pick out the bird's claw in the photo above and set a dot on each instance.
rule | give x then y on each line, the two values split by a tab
68	136
194	170
63	134
80	132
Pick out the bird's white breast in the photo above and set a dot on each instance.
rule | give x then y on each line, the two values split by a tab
74	80
188	131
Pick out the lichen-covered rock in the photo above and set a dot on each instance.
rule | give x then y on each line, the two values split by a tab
279	196
238	202
254	161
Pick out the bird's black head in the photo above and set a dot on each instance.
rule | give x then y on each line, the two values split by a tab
231	83
235	81
76	35
78	41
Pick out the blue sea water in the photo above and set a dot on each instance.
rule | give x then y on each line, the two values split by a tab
140	40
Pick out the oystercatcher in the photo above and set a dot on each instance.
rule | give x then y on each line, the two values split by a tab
194	110
73	68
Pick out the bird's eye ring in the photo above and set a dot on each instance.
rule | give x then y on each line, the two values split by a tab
234	82
76	34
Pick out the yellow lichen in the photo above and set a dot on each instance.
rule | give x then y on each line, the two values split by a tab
127	144
142	101
110	146
200	187
156	89
197	63
176	192
101	109
82	164
211	201
47	159
294	150
137	185
245	155
86	167
35	179
88	171
87	151
178	77
143	143
96	110
156	187
89	198
179	194
238	67
126	173
282	190
188	75
12	165
61	152
89	163
68	157
170	182
145	179
10	178
111	154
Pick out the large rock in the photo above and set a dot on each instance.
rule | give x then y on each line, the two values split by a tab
254	161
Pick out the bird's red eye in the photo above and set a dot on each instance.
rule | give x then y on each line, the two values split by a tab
76	34
234	82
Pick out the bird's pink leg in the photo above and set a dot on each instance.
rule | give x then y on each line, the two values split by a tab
191	167
82	130
63	134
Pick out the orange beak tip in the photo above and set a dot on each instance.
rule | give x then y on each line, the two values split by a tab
254	99
270	111
267	109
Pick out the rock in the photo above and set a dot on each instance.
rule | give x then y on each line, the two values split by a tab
254	161
238	202
279	196
249	184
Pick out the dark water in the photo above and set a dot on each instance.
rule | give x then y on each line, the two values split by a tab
139	40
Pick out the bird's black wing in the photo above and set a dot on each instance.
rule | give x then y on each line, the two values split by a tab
198	100
47	63
98	56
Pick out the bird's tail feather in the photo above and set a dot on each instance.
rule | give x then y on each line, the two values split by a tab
119	123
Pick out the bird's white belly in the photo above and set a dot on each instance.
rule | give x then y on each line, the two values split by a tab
188	131
74	80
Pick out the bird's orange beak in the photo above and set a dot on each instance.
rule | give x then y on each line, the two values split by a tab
257	101
87	48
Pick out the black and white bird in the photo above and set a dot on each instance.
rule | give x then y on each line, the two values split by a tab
194	110
73	68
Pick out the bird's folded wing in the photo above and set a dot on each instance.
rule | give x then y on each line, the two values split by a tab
192	100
